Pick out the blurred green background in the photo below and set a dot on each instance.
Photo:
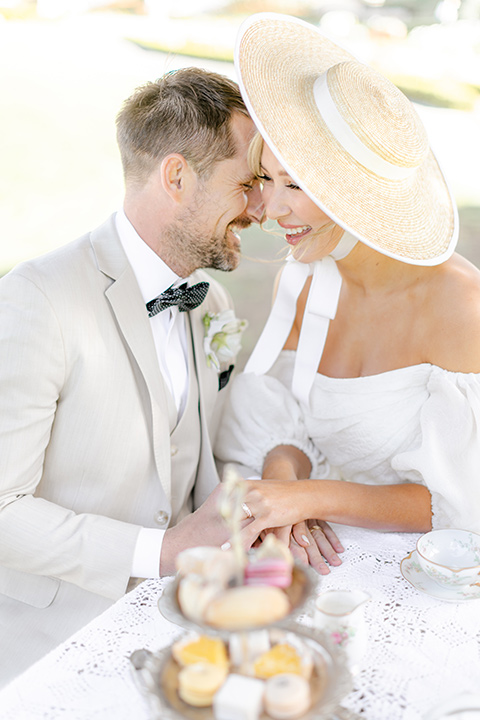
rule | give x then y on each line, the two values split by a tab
67	65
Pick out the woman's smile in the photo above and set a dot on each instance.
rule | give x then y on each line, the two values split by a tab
308	230
294	234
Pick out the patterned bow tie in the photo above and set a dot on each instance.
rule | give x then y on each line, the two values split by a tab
187	298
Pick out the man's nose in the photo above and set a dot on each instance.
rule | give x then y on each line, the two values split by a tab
255	208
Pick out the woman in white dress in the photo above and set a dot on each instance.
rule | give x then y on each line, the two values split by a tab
361	402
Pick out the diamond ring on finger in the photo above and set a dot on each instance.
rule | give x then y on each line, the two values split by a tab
247	510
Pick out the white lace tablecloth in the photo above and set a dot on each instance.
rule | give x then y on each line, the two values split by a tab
421	651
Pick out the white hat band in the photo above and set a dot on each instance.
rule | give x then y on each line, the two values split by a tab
347	138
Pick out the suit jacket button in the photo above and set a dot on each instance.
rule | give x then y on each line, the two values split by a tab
161	518
173	450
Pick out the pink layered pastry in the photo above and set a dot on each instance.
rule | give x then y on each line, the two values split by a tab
275	572
271	564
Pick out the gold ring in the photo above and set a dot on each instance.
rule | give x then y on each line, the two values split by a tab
315	527
247	510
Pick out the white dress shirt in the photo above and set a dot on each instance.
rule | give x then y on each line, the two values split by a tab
169	334
168	326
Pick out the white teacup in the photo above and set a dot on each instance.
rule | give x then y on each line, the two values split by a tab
450	557
463	707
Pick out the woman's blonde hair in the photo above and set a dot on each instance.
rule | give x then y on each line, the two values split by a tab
254	157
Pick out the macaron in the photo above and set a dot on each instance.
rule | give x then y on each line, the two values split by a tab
198	683
287	696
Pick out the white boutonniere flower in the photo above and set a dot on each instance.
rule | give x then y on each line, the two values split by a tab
223	334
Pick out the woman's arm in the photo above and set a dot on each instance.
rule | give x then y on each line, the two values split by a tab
402	508
287	462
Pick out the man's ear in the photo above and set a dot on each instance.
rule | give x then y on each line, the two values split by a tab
176	176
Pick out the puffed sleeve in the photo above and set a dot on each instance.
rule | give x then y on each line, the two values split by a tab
260	415
447	458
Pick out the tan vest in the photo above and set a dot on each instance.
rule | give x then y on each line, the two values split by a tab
185	442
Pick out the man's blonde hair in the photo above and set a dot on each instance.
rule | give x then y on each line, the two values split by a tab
187	111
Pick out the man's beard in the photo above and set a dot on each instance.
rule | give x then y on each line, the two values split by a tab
193	250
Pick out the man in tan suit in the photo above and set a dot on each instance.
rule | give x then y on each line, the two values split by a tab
108	408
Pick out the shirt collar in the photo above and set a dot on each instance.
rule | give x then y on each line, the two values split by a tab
152	274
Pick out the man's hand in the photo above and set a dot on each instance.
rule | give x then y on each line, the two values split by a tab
203	527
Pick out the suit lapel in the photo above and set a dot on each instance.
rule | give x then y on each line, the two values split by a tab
207	476
129	309
207	377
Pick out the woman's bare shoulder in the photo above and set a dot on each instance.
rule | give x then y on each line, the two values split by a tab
454	306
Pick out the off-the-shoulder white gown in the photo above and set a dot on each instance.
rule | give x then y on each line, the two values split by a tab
415	424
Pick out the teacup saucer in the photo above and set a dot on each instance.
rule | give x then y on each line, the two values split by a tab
411	571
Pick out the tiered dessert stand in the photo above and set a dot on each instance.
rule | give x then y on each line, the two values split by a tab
156	674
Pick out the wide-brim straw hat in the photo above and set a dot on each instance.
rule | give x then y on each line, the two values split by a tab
349	137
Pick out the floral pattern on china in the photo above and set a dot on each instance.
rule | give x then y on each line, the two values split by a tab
413	573
450	557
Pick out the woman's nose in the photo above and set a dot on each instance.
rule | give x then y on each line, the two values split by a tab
274	206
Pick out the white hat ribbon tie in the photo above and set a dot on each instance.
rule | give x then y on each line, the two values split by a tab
321	307
280	320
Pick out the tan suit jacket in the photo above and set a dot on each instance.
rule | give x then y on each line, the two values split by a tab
85	426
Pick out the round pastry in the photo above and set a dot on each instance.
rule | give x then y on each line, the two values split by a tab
247	606
286	696
194	596
281	658
197	684
200	648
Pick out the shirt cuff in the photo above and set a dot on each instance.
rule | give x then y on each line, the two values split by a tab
146	556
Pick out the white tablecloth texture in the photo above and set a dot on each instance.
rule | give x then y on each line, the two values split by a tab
421	651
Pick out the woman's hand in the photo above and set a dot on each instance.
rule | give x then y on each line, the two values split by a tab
320	544
312	543
282	507
273	504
